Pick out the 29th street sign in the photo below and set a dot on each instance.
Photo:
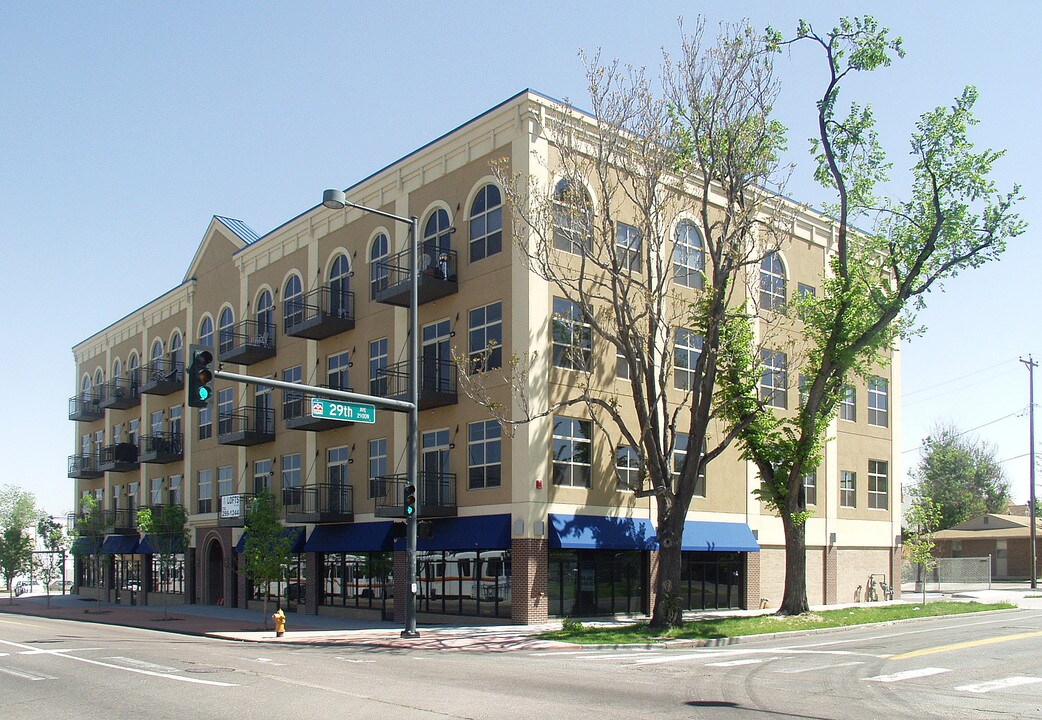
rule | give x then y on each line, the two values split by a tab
340	410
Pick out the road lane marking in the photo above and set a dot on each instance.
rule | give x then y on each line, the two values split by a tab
909	674
964	645
142	664
15	622
25	675
735	663
820	667
999	684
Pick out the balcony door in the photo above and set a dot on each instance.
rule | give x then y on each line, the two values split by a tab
339	287
433	488
435	357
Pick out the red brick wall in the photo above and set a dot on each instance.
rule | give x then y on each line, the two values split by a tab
529	582
752	580
401	587
831	574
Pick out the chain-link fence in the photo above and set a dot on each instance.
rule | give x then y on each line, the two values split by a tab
948	575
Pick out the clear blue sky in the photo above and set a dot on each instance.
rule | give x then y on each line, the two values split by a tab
125	126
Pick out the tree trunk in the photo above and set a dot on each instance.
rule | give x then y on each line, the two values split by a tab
668	611
794	599
265	610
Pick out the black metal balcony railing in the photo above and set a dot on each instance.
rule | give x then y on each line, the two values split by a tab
438	382
321	504
162	376
121	457
296	412
231	509
120	394
435	495
89	525
249	425
86	407
162	448
247	342
437	277
119	522
84	467
321	313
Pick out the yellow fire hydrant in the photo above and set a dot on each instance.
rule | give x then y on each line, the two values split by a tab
280	622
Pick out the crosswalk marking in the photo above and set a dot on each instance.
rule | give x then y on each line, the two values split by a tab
999	684
819	668
909	674
25	675
733	663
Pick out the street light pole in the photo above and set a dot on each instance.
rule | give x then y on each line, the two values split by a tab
1030	364
337	200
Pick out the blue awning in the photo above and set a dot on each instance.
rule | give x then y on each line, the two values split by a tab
479	532
703	535
152	545
295	535
350	537
85	545
594	532
119	545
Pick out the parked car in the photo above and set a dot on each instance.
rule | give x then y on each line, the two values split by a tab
24	587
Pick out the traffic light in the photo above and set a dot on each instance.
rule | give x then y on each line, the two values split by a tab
410	500
200	376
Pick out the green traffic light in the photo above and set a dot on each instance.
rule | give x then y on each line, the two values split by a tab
204	393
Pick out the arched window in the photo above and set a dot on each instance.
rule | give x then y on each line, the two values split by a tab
486	223
265	315
689	258
378	253
157	352
226	330
772	282
206	332
133	364
573	217
340	287
292	302
117	369
437	235
177	353
99	379
85	384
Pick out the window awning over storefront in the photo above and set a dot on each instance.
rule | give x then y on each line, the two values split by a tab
481	532
119	545
85	545
152	545
591	532
295	535
350	537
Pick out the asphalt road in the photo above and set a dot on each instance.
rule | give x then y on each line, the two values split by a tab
976	666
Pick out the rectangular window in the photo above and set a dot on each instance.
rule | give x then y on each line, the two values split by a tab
877	401
174	491
224	481
292	400
571	336
847	489
679	454
378	367
377	466
622	368
572	451
804	290
337	460
810	488
486	338
878	485
774	382
261	476
224	411
291	471
627	247
175	420
627	469
336	370
134	432
848	403
205	423
156	422
687	346
205	493
484	454
155	491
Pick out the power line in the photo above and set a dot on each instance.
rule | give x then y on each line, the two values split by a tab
956	389
961	377
960	434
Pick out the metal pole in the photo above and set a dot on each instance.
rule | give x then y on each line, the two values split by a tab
1031	365
413	443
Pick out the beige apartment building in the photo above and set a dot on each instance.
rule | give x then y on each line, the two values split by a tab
541	523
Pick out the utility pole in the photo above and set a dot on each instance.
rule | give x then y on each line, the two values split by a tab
1030	364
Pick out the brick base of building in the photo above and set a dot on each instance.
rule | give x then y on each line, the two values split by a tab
529	598
752	581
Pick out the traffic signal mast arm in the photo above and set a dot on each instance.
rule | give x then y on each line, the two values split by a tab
318	391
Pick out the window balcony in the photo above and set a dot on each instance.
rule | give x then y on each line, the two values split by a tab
162	448
232	509
437	277
437	382
84	467
296	412
249	425
119	522
435	495
121	457
322	504
86	407
162	376
247	342
320	314
120	394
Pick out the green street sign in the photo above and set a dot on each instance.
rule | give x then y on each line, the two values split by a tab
340	410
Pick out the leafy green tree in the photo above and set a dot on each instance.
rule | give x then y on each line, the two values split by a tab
267	550
18	515
924	517
90	525
166	528
55	543
954	219
961	475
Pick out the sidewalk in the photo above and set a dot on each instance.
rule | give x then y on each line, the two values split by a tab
246	625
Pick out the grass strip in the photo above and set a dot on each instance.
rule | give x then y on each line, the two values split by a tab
723	627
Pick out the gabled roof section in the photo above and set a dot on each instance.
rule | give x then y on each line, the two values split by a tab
238	232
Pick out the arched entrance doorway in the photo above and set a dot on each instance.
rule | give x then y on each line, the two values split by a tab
214	574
